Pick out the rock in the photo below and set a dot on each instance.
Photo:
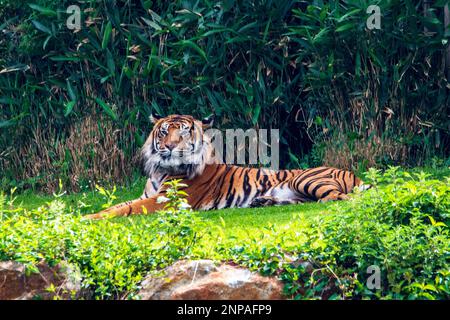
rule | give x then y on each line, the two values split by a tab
307	266
204	280
16	284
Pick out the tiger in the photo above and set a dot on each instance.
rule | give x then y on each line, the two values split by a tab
178	147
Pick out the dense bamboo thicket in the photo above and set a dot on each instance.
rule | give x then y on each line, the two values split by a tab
74	104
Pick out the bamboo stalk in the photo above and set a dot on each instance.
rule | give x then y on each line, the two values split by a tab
447	25
426	6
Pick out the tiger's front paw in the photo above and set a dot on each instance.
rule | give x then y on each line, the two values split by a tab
264	201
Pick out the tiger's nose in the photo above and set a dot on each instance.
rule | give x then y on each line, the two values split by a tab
171	146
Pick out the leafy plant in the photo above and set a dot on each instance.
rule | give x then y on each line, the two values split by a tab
400	226
113	258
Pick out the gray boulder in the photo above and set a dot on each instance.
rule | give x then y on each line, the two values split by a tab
204	280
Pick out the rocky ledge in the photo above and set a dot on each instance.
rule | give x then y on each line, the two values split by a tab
205	280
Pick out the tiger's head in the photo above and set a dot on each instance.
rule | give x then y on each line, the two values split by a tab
177	145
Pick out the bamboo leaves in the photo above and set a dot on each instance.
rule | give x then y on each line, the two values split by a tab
192	45
107	35
107	109
43	10
69	107
273	64
41	27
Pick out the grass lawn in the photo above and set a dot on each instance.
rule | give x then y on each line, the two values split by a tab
254	218
237	221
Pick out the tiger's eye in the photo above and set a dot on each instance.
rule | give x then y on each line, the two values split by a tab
164	128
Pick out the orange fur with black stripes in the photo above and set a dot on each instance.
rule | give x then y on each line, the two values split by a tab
212	185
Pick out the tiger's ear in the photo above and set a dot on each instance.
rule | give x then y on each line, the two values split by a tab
154	117
208	121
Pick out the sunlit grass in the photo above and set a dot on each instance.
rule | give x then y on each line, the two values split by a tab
235	220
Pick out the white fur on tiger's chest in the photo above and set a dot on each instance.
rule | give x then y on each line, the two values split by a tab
282	193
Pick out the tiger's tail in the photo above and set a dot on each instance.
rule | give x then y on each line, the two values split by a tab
361	185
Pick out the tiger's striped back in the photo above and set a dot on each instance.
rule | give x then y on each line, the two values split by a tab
212	185
224	186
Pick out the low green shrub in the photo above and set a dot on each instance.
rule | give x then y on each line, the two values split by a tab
113	257
400	226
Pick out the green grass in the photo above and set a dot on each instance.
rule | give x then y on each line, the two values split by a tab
242	222
92	198
251	218
229	225
237	220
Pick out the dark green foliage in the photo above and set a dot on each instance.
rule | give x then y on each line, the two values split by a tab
69	100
